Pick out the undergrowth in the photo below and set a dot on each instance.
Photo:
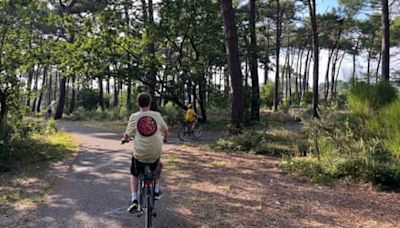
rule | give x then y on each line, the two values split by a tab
362	145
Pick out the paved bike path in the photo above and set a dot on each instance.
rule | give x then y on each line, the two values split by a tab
95	191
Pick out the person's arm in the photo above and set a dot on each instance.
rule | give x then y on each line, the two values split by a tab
164	128
130	129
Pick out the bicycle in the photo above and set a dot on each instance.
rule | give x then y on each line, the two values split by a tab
146	196
146	199
187	130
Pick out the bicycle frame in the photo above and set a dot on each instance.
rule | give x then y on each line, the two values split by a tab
146	195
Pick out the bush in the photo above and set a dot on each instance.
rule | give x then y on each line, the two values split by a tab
218	100
172	114
250	142
367	99
389	117
267	94
88	99
113	114
363	145
21	140
307	98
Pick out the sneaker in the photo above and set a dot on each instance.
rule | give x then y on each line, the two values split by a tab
133	207
158	195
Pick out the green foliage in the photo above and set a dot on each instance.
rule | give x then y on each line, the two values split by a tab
251	141
112	114
389	117
33	140
267	94
35	149
307	98
363	145
172	114
88	99
218	101
367	99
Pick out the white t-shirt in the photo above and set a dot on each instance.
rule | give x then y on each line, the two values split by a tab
147	128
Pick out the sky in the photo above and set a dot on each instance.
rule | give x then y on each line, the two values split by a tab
326	5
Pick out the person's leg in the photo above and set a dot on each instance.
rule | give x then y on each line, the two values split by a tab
158	176
134	187
156	168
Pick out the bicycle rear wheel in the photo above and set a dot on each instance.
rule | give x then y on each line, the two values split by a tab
148	211
183	134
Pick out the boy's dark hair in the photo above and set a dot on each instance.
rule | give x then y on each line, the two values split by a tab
143	99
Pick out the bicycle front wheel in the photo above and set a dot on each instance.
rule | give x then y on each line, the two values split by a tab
148	212
197	131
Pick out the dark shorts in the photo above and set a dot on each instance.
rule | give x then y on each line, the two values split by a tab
137	167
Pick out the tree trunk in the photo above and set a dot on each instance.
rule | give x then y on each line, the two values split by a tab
129	104
152	76
290	75
101	93
29	87
116	93
331	51
73	95
227	81
108	89
255	90
35	89
44	81
334	73
369	59
377	68
305	73
338	71
277	51
300	73
298	64
202	99
266	70
3	109
56	83
354	60
233	62
61	99
385	41
314	26
49	85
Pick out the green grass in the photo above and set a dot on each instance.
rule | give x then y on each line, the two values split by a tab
41	148
27	183
273	141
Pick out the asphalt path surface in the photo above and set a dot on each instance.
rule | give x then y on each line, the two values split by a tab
95	191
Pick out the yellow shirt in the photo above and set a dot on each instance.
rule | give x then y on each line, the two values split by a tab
147	128
190	115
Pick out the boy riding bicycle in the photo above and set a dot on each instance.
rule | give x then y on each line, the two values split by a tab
150	130
191	116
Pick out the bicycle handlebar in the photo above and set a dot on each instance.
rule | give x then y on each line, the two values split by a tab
127	141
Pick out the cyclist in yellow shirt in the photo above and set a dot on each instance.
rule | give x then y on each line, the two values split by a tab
191	116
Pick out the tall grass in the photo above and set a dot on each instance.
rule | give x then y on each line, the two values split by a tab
363	145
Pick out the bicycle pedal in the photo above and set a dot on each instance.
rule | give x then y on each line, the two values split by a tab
154	214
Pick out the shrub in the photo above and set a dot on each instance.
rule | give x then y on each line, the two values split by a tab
172	114
267	94
363	145
88	99
367	99
250	142
389	117
307	98
218	100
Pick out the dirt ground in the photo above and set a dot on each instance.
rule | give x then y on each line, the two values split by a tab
241	190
